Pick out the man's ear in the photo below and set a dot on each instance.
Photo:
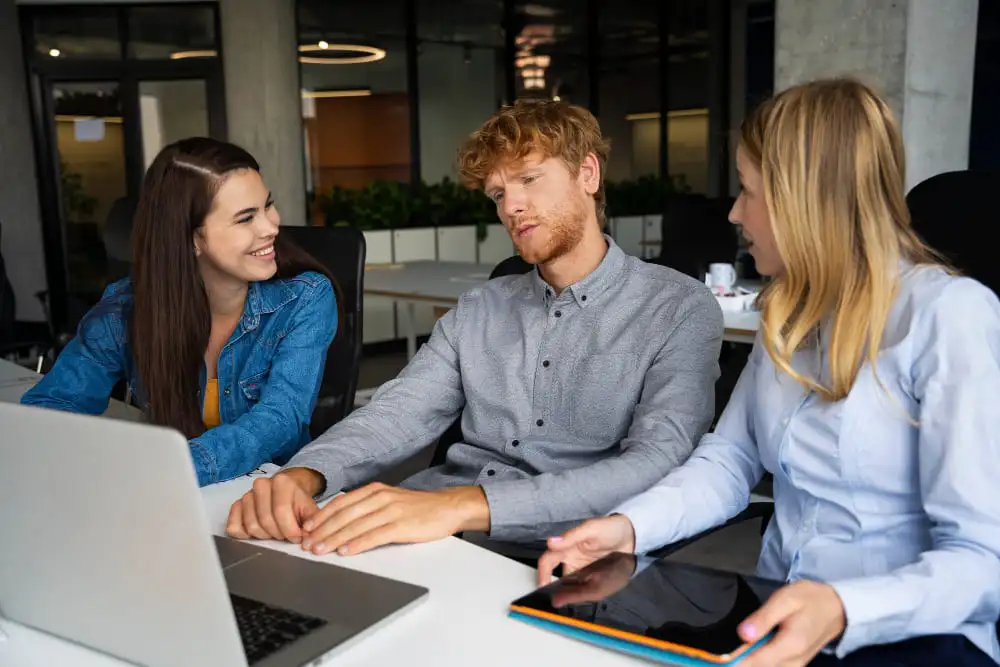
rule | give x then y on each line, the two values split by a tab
590	174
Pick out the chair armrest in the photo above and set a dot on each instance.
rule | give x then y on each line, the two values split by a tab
762	510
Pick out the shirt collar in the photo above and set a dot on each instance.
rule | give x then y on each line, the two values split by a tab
586	291
264	297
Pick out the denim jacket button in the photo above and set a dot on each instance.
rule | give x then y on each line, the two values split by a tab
226	391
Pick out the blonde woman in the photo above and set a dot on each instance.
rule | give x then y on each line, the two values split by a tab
871	396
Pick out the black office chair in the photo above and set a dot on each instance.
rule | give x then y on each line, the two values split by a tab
8	304
695	233
11	346
342	251
950	212
117	237
512	266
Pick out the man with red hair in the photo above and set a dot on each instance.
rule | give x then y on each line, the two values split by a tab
579	384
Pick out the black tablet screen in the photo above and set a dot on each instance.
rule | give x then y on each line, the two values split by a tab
680	604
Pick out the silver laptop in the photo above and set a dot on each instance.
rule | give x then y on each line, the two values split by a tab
104	541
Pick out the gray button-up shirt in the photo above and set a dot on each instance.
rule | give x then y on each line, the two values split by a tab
570	403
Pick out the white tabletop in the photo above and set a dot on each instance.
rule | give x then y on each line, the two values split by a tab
444	282
462	622
15	380
434	282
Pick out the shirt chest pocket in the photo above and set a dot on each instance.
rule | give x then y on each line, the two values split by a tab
251	387
599	393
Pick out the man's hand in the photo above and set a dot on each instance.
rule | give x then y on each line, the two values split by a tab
808	615
581	546
276	507
377	514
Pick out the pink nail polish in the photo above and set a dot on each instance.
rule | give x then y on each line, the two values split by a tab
748	631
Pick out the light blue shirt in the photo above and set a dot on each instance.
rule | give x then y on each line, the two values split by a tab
891	496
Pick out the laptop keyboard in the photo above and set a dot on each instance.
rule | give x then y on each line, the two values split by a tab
265	629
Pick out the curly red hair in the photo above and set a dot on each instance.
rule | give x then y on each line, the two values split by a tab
554	129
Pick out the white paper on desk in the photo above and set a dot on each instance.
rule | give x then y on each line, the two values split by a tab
89	129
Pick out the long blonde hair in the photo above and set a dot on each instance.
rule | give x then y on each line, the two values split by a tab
831	156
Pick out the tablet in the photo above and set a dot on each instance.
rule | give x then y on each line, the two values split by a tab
645	606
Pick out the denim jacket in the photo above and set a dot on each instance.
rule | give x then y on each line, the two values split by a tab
269	373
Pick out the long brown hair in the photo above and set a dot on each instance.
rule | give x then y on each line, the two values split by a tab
171	320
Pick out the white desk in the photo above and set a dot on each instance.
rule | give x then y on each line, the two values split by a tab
462	622
15	380
442	283
434	283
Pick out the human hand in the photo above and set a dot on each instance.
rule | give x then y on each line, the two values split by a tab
275	507
377	514
588	542
809	615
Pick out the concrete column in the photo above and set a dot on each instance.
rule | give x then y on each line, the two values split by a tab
20	214
263	96
919	54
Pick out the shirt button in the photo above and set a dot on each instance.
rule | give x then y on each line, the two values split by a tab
583	298
540	422
226	391
558	313
515	443
490	473
545	364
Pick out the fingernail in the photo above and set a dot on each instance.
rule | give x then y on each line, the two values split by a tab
296	540
320	549
344	550
748	631
306	543
557	539
308	525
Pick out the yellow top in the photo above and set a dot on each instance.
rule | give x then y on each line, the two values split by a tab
211	411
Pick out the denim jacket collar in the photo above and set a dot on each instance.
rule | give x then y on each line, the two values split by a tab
264	297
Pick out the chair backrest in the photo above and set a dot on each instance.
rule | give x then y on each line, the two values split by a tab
512	266
117	237
952	213
342	251
7	301
696	232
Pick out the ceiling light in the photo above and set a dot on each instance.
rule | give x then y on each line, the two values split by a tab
198	53
679	113
327	94
556	98
55	53
323	44
369	54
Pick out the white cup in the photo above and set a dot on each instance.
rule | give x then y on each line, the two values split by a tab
721	278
